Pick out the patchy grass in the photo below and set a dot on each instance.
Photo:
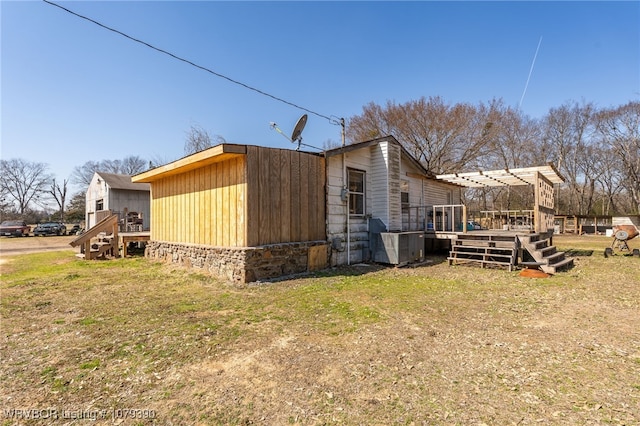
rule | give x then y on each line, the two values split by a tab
428	345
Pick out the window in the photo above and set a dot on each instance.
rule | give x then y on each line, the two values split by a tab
356	192
404	193
99	205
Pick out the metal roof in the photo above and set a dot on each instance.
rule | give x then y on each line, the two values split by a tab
504	177
116	181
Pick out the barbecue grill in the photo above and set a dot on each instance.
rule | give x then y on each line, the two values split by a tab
622	234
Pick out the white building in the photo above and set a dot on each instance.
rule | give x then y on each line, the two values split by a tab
377	187
110	193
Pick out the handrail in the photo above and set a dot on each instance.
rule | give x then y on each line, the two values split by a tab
104	225
439	218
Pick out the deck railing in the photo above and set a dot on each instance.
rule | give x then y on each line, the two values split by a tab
518	220
435	218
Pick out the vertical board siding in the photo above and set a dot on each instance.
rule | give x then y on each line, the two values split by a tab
304	197
241	202
295	197
252	231
201	206
206	211
275	195
264	197
217	237
285	196
226	214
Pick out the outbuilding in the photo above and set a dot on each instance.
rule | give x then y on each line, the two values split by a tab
240	212
110	193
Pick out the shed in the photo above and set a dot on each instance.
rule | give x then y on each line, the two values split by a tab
110	193
240	212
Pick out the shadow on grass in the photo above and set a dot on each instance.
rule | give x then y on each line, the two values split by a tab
579	253
357	269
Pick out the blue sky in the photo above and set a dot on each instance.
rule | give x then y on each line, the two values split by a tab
73	92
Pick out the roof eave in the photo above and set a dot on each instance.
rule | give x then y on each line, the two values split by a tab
203	158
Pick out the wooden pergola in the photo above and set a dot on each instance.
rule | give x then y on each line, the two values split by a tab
542	178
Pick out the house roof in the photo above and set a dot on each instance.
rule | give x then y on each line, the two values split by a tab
504	177
116	181
359	145
199	159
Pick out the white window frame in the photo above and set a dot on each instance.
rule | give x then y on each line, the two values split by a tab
354	195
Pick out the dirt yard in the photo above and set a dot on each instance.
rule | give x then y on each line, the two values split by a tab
128	341
11	246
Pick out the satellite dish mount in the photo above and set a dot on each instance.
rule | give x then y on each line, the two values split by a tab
296	135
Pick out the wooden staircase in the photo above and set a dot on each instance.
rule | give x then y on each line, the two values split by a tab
100	240
485	249
539	247
505	250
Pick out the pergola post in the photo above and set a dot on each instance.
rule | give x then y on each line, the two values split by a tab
543	210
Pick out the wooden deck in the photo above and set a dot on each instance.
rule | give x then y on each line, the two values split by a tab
131	237
104	240
506	248
449	235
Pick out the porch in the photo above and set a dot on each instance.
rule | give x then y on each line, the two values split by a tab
491	237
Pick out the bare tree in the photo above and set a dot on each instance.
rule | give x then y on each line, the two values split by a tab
568	132
83	174
443	137
199	139
514	141
59	194
597	152
611	183
619	129
131	165
23	181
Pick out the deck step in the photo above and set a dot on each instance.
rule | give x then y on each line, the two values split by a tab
484	250
504	250
542	251
562	265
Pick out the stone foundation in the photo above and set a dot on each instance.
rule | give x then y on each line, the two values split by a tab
242	265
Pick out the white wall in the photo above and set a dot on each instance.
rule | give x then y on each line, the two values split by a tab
385	167
337	207
116	200
96	191
133	201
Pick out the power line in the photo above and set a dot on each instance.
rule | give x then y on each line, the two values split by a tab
144	43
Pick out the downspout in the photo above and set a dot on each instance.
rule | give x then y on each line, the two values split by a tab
345	191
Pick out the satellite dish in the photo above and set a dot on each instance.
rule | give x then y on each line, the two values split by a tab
297	130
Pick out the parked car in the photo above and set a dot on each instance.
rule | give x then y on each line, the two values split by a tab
50	228
17	228
75	230
473	226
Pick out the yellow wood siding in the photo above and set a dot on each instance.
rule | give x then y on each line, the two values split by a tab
202	206
267	196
